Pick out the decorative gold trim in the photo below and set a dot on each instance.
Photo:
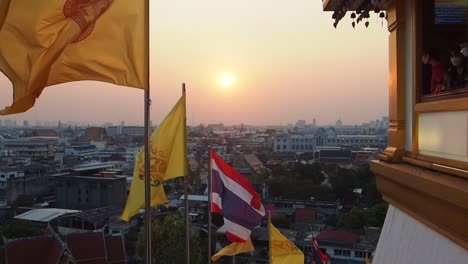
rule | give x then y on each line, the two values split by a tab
447	162
391	27
438	200
392	154
397	83
325	4
458	104
416	162
416	39
437	167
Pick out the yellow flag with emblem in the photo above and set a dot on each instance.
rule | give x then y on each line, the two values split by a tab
47	42
282	251
233	249
168	160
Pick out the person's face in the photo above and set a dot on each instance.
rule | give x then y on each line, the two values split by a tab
426	58
457	60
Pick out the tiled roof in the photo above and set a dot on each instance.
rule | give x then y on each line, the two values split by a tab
39	250
115	249
305	214
85	248
339	236
45	132
89	246
2	255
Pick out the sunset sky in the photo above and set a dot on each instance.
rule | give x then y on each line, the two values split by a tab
281	61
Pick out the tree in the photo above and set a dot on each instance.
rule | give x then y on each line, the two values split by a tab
358	218
168	238
353	220
17	229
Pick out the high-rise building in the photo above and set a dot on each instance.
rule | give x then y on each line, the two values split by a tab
300	123
339	123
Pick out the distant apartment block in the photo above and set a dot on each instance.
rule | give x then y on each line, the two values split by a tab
301	143
26	180
126	130
82	151
34	148
87	192
90	186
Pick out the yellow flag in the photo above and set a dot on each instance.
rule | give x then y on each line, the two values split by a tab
47	42
233	249
367	259
283	251
168	160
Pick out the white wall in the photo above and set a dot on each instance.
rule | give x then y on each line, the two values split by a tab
406	240
444	135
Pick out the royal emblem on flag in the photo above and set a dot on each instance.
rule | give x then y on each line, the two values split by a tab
158	166
285	244
85	13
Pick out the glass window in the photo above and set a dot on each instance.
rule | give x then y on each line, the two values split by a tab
359	254
443	49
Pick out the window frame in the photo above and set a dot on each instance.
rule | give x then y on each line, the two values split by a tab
419	40
443	103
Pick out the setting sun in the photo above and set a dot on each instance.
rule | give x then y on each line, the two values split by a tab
226	80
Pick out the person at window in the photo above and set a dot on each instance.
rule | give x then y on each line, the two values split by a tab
464	49
438	71
457	75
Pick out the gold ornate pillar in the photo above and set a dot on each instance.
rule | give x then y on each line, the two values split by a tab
397	70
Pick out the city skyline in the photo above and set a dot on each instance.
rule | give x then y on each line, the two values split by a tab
8	122
286	62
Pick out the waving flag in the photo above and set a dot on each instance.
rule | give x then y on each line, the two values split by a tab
318	257
168	160
234	197
47	42
282	251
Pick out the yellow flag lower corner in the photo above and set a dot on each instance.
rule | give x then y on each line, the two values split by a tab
168	159
283	251
233	249
136	201
367	259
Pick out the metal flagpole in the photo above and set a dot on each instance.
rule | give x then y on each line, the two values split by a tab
269	235
148	258
209	206
187	230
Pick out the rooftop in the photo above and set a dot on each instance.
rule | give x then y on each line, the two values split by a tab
44	215
339	236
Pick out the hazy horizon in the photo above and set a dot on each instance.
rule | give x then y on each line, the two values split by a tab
52	123
286	59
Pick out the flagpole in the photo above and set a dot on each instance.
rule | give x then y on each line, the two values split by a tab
209	205
148	258
269	235
187	230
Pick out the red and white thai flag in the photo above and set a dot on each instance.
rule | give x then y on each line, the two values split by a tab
318	257
233	196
